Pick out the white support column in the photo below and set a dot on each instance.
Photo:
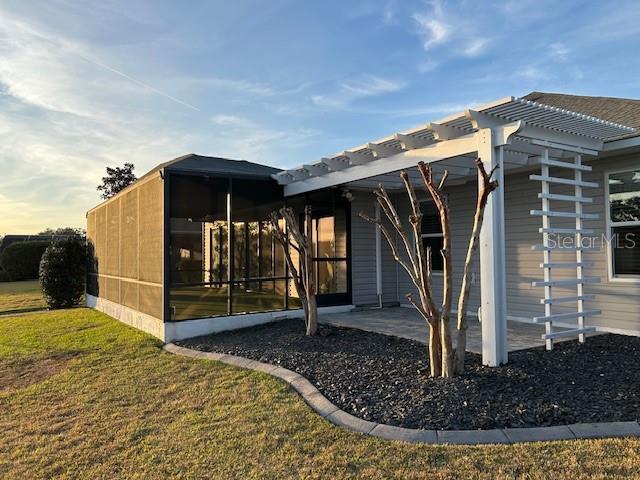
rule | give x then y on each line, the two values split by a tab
492	259
378	258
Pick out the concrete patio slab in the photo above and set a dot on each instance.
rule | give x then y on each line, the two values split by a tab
407	323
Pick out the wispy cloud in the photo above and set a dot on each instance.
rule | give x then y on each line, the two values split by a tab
41	69
240	86
354	89
434	31
441	29
475	47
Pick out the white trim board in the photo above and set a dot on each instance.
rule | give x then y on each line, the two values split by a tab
170	331
613	278
204	326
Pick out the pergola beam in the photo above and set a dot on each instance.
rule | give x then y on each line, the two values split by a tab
409	142
382	151
316	168
445	132
357	158
515	158
432	153
335	164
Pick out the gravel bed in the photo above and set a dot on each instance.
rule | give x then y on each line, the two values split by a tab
385	379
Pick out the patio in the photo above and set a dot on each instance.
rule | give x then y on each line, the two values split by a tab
406	323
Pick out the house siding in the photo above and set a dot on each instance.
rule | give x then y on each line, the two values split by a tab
363	256
461	206
618	301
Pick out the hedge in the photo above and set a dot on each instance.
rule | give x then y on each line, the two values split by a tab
62	273
21	260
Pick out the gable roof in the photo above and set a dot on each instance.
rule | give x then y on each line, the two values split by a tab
214	165
625	111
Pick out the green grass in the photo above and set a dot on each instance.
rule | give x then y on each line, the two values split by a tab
20	296
102	400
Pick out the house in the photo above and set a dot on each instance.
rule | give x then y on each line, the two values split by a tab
187	249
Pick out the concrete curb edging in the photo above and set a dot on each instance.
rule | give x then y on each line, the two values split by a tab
327	410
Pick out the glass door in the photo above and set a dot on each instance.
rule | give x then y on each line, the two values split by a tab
329	240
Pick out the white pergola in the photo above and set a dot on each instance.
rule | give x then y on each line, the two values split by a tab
510	133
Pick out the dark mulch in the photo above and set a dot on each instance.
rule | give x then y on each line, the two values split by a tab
384	379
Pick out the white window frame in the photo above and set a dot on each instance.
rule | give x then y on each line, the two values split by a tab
609	229
432	235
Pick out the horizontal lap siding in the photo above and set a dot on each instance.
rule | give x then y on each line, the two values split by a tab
462	200
363	252
619	302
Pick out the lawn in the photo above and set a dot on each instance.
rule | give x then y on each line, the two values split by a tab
83	396
25	295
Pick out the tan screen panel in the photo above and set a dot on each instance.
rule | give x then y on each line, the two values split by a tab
113	238
129	294
91	235
129	235
113	290
100	240
151	212
151	300
102	287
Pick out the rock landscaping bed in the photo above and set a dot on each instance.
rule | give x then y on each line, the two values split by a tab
385	379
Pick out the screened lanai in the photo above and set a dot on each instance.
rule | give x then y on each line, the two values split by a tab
213	220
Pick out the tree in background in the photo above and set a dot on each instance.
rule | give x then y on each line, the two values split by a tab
291	237
63	231
411	254
117	179
63	272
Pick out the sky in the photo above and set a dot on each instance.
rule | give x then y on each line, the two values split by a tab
85	85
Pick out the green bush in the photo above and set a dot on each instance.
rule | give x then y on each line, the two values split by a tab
4	276
63	272
21	259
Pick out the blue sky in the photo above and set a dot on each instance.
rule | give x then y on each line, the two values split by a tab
83	86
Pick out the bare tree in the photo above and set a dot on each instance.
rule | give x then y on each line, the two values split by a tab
416	260
485	187
302	274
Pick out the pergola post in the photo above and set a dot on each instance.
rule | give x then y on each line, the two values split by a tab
492	259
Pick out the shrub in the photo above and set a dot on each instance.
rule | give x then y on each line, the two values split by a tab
21	259
4	276
62	273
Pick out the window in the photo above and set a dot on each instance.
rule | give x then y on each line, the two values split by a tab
432	234
330	213
624	223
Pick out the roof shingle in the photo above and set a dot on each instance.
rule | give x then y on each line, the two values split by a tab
625	111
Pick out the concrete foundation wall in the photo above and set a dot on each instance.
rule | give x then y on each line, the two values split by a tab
170	331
